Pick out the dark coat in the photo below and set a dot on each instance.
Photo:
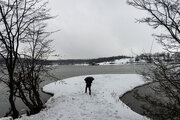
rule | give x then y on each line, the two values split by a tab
88	81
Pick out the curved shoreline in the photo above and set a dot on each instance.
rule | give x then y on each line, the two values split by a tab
49	93
71	98
139	105
137	87
64	72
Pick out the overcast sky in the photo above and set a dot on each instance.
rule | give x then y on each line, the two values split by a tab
99	28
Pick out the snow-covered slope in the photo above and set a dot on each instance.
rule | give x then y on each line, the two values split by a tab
123	61
71	103
117	62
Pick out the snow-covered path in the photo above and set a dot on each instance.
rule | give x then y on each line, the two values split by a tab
71	103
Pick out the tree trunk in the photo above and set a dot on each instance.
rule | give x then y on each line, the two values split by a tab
15	113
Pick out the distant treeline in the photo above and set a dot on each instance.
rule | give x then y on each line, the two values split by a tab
77	61
86	61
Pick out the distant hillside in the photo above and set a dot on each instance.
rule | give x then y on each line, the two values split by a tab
80	61
86	61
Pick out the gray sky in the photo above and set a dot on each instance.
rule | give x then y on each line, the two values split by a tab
99	28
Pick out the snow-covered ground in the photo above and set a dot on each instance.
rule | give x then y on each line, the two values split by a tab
117	62
82	64
123	61
71	103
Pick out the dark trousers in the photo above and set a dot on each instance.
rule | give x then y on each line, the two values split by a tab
89	89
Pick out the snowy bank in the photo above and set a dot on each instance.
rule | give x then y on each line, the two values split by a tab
117	62
71	103
123	61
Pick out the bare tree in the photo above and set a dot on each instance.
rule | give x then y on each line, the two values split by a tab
31	66
16	18
164	14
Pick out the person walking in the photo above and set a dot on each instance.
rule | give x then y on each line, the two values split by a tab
88	81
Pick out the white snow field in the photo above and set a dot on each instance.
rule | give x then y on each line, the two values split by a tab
117	62
123	61
71	103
